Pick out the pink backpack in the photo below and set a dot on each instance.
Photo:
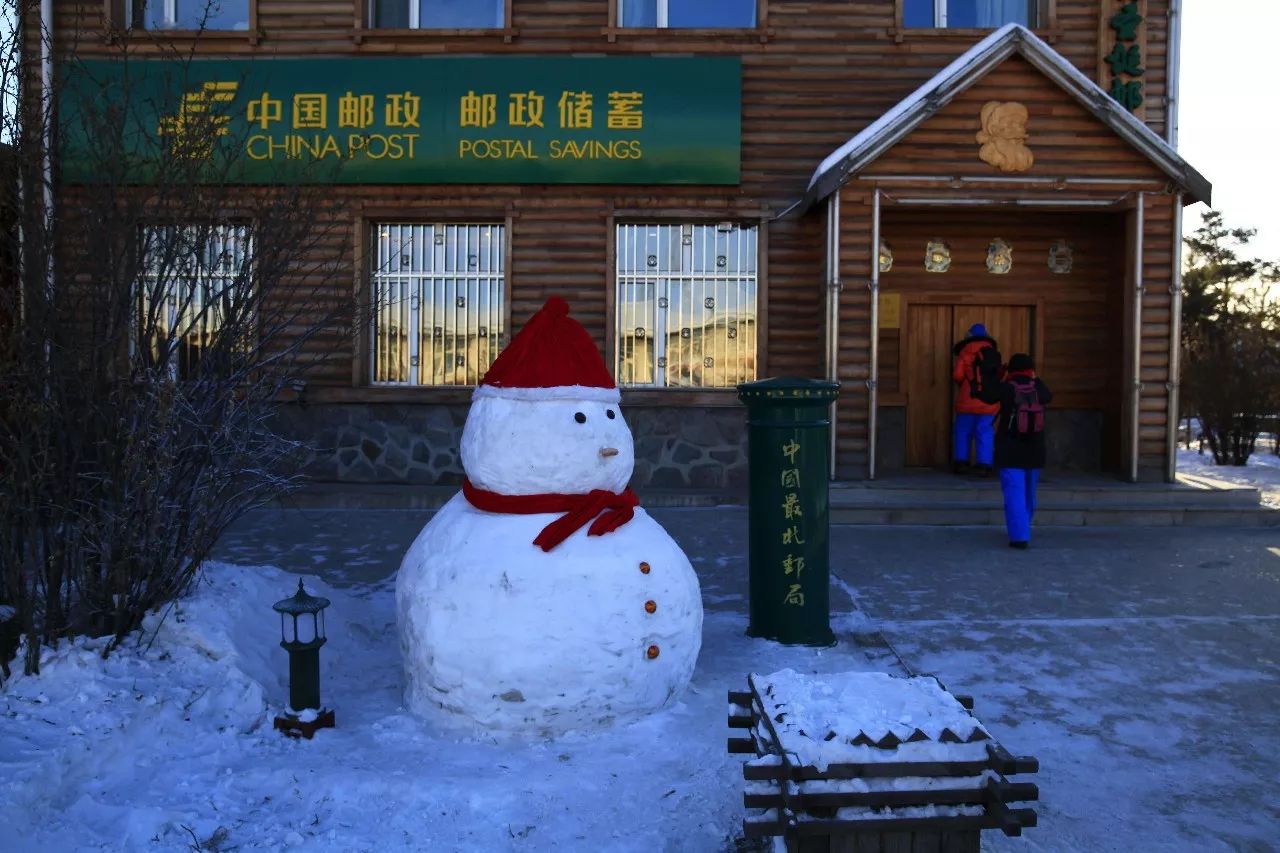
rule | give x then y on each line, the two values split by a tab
1028	412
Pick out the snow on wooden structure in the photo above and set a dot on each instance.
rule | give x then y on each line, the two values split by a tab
866	761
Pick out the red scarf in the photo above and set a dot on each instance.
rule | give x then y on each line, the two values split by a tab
618	508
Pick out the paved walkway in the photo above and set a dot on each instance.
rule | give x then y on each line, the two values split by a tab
1141	666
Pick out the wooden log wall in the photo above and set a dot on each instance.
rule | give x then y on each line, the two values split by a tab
1158	258
813	75
1069	144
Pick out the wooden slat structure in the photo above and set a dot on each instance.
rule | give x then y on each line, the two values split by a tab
814	74
801	803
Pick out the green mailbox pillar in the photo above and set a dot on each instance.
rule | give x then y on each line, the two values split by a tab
789	438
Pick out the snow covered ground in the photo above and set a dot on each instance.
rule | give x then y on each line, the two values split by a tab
1143	671
1262	472
171	744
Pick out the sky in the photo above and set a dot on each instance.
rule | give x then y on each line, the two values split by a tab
1229	123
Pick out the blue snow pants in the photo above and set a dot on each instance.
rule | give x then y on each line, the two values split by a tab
969	428
1019	487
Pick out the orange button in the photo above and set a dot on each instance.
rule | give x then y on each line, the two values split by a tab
644	568
650	606
652	652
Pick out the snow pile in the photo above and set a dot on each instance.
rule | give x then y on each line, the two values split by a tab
895	783
169	744
1262	472
196	681
818	718
904	812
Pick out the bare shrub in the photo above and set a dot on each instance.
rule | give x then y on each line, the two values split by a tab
150	331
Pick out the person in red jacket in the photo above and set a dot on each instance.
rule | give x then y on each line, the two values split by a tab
977	362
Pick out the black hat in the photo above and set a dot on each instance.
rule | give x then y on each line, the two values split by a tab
1021	361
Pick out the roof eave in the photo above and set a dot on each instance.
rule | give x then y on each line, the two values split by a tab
1003	44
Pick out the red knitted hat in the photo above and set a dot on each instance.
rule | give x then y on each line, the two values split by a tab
551	358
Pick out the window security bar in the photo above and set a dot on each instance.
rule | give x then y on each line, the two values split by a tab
439	302
686	305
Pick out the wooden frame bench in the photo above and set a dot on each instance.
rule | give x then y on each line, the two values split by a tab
861	805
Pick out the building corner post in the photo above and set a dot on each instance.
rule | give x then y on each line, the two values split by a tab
1175	348
874	366
1173	71
833	288
1135	391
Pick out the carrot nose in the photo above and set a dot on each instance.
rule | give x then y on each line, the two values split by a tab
606	452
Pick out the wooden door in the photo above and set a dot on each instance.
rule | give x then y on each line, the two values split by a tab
928	385
932	331
1010	325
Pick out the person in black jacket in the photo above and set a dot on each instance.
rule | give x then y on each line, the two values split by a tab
1020	445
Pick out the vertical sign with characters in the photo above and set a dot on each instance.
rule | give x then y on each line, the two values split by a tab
1122	47
792	517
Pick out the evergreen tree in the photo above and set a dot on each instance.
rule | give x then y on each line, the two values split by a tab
1231	340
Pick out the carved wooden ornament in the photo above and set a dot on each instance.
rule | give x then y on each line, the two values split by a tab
1004	136
1060	257
937	256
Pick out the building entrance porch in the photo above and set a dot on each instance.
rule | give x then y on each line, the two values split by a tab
1047	283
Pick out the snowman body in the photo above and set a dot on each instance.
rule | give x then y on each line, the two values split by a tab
500	634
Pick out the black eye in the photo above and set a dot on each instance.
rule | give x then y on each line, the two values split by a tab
579	417
609	412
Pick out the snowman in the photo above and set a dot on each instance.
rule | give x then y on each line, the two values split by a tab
541	598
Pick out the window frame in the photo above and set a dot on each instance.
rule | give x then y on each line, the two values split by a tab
760	30
115	13
364	359
697	395
364	28
247	234
1046	23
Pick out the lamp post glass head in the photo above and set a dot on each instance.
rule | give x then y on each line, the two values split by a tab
302	635
301	620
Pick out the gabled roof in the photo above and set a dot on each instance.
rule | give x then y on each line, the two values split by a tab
893	126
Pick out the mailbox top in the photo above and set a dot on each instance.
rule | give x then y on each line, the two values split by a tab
788	390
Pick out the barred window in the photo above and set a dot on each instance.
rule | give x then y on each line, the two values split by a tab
194	289
686	305
439	302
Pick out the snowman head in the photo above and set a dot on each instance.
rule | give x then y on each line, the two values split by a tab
545	418
547	446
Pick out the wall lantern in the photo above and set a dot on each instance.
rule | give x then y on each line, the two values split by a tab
302	635
886	256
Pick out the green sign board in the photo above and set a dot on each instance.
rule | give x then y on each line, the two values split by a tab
419	120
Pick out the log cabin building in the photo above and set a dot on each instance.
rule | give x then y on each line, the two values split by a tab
725	190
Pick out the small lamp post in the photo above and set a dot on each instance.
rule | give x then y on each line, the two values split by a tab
303	643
